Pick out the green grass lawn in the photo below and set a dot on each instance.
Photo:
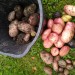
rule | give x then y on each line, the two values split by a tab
31	64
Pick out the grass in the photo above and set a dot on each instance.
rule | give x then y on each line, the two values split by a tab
31	64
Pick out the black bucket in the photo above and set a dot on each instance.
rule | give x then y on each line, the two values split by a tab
7	45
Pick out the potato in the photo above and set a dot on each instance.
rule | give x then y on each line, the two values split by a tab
59	21
33	19
55	66
66	72
61	69
48	70
13	29
53	37
68	32
68	61
64	51
25	27
57	58
11	16
59	43
57	28
46	34
26	37
50	23
46	57
70	10
62	63
69	67
54	51
66	18
47	43
73	62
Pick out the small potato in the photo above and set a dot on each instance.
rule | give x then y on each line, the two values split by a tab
13	30
73	62
61	69
68	32
69	67
46	34
46	57
54	51
64	51
47	43
57	28
59	43
53	37
26	37
59	21
57	58
70	10
50	23
48	70
62	63
66	72
68	61
55	66
66	18
25	27
11	16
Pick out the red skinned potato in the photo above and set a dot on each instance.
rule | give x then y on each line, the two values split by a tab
64	51
57	28
59	43
55	66
59	21
47	43
46	34
50	23
70	10
46	57
68	32
53	37
54	51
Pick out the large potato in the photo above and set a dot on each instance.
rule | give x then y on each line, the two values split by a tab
47	43
53	37
13	29
46	34
70	9
57	28
46	57
68	32
50	23
64	51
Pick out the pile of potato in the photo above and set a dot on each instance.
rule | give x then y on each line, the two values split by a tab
23	22
59	36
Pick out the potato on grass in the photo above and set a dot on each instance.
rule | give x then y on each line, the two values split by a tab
46	57
57	28
59	43
48	70
68	32
66	72
50	23
69	67
53	37
70	9
46	34
54	51
55	66
47	43
64	51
